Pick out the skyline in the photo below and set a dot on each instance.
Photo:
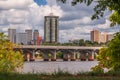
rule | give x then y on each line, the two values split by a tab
75	22
33	38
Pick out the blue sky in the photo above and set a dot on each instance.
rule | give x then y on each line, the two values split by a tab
41	2
74	21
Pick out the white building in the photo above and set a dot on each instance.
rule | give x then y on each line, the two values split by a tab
12	35
110	37
21	38
29	35
103	37
95	36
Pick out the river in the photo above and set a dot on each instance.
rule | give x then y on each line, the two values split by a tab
50	67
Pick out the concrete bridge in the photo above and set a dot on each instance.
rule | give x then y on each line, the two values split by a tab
68	52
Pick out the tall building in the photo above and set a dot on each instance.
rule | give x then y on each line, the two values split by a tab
110	37
95	36
12	35
35	36
21	38
29	35
51	29
103	37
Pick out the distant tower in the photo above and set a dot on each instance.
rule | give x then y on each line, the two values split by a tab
35	36
12	35
95	36
51	29
29	35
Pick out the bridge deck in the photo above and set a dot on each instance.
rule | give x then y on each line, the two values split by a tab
55	47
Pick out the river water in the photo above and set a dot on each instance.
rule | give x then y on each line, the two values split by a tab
50	67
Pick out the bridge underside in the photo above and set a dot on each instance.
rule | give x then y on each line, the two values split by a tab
66	54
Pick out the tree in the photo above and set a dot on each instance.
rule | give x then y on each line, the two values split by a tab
10	60
81	42
101	6
114	52
88	43
115	18
110	57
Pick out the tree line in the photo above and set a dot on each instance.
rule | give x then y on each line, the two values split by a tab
80	42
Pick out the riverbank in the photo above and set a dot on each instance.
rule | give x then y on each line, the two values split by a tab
60	70
61	76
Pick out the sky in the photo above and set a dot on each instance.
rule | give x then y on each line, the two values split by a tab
74	21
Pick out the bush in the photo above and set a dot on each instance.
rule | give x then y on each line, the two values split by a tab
97	69
10	60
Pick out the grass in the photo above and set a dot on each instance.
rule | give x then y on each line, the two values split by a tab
61	76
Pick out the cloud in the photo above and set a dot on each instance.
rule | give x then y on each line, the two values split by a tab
25	14
51	2
74	21
69	24
36	14
14	4
104	26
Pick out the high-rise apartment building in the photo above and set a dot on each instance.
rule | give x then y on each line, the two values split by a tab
35	36
95	36
21	38
12	35
110	37
51	29
29	35
103	37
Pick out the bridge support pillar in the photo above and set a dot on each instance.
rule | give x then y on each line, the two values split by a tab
33	56
28	56
65	57
46	57
53	58
73	56
91	58
78	55
83	56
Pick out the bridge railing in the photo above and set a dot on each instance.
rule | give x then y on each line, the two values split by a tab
55	47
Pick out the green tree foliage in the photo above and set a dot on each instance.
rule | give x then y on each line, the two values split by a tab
10	60
114	52
110	57
59	55
115	18
81	42
101	6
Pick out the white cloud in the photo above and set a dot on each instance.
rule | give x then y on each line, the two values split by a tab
37	13
79	32
15	4
104	26
17	16
25	14
84	20
75	22
51	2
